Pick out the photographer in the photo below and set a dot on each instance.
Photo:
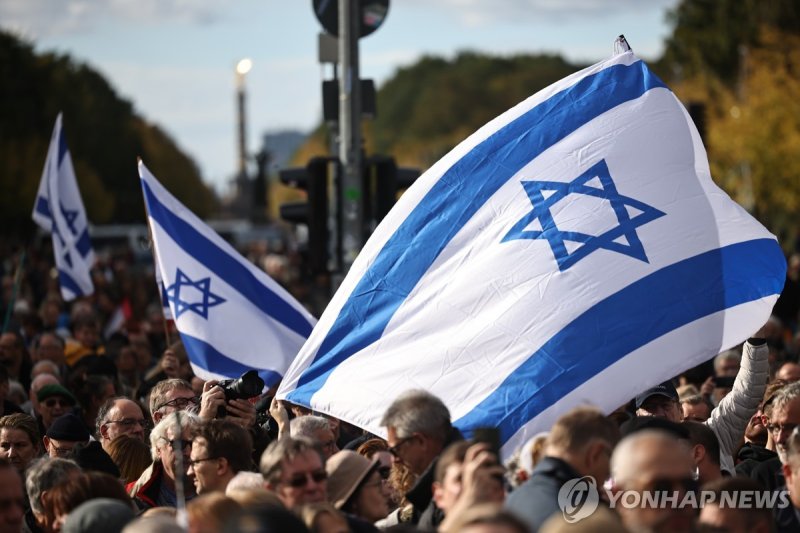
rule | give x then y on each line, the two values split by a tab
237	410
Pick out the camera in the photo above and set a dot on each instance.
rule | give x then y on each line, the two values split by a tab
248	385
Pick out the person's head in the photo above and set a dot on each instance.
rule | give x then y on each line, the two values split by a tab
705	450
293	469
727	363
171	395
584	438
317	429
654	460
19	440
789	371
355	486
120	416
54	400
98	515
68	495
12	498
661	401
37	384
220	450
487	518
131	455
418	427
50	347
63	434
695	408
12	351
448	474
791	467
208	513
172	434
42	476
784	417
732	518
85	330
323	517
45	366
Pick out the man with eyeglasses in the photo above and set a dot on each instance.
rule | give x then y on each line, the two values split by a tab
170	440
783	419
220	450
788	519
54	400
120	416
172	395
418	429
293	469
658	463
64	433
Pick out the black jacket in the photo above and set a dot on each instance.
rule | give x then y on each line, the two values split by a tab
536	500
750	456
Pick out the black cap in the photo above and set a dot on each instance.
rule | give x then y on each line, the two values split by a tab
666	389
68	427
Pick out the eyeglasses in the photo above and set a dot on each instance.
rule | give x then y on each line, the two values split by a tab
395	450
777	429
300	480
62	402
180	403
194	462
185	444
61	452
130	422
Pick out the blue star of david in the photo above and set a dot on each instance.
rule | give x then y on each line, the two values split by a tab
610	240
209	299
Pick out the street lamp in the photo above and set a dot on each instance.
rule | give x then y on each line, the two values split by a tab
242	68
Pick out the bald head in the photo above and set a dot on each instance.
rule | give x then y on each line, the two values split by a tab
650	453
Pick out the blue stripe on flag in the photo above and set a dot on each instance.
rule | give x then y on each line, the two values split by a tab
453	200
84	244
62	147
43	206
70	284
203	354
226	267
662	301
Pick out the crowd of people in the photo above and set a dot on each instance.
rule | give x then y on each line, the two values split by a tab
104	427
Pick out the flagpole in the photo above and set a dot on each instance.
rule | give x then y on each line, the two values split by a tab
14	290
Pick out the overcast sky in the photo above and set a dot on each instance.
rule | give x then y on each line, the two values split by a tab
175	59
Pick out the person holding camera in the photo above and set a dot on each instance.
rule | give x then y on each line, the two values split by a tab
219	401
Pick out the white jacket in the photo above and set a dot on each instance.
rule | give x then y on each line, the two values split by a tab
730	418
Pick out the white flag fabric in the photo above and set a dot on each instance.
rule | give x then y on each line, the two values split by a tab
231	316
573	250
58	209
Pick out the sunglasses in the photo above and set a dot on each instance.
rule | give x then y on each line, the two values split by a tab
686	484
298	481
385	472
61	402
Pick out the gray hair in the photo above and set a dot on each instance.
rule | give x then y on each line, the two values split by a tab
728	355
44	474
418	411
306	426
785	396
286	448
187	421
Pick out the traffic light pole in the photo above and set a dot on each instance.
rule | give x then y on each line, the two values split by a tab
350	133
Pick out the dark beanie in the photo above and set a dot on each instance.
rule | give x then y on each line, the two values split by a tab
92	456
68	427
101	515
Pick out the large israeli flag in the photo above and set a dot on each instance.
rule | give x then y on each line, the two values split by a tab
232	317
58	210
573	250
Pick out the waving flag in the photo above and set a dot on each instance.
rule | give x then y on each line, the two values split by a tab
58	209
232	317
573	250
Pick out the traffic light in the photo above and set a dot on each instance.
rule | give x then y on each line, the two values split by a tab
383	180
314	213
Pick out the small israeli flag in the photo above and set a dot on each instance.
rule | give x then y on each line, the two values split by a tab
58	210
